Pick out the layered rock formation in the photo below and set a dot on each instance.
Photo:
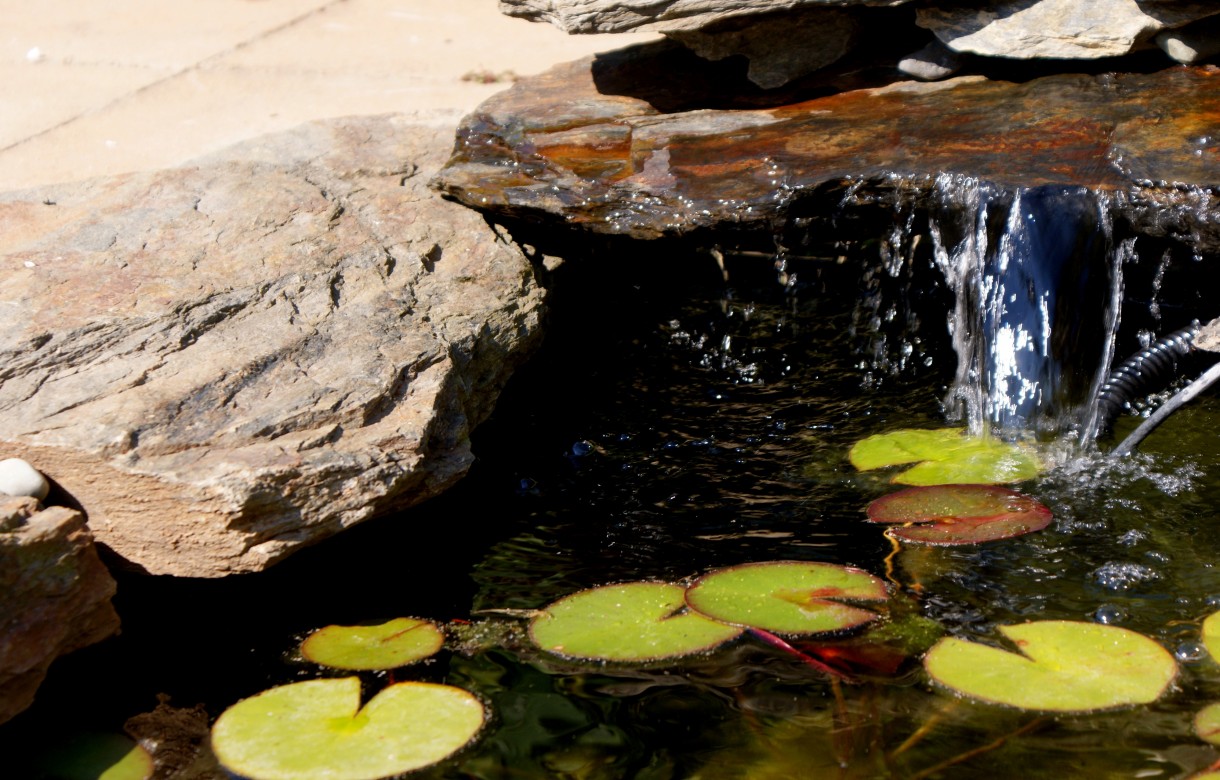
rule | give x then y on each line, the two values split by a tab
56	595
590	144
787	39
226	361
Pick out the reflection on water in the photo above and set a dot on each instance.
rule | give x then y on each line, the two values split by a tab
674	423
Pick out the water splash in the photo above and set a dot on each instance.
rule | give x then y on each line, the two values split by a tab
1037	278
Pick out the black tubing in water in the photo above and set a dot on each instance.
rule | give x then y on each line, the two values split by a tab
1186	394
1152	367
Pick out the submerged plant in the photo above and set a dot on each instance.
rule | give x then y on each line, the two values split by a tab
317	730
945	456
959	514
1058	666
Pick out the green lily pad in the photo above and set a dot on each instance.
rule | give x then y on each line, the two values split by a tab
787	597
317	730
1211	635
1207	724
945	456
97	757
635	621
959	514
1060	666
385	645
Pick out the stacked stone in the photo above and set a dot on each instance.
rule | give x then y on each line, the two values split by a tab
787	39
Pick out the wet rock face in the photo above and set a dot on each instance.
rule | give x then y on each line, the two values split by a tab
590	143
56	595
227	361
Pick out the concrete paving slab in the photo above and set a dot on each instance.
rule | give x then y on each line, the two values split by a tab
152	84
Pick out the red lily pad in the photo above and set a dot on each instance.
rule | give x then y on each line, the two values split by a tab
959	514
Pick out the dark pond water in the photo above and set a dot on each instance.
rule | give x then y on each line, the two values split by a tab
677	422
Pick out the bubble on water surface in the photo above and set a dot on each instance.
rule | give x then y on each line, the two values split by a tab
1122	576
581	448
1109	614
1190	652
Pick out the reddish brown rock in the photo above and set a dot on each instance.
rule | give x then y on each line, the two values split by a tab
56	595
611	145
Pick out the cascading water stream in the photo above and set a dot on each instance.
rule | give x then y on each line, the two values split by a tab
1036	276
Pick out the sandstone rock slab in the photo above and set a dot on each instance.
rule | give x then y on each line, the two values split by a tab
226	361
605	16
56	595
586	145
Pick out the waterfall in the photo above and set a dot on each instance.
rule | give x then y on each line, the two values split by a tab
1035	283
1037	278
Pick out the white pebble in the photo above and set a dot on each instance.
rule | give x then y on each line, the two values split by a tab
35	55
18	478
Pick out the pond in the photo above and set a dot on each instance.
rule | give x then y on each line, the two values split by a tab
686	415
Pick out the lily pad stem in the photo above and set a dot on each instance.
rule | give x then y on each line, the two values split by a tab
978	751
776	641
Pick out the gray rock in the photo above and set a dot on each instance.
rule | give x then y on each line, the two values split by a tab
56	595
601	16
1193	43
1057	29
227	361
931	63
780	47
18	478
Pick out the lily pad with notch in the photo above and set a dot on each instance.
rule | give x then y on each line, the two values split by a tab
386	645
788	597
631	622
945	456
959	514
1058	666
317	730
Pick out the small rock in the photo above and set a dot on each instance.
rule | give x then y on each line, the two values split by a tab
18	478
56	595
931	63
1193	43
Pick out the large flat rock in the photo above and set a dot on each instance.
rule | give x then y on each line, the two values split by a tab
650	141
226	361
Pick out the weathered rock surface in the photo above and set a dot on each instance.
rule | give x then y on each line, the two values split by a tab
603	16
226	361
588	144
56	595
784	40
1058	29
779	47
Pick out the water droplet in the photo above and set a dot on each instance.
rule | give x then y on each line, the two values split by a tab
581	448
1190	652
